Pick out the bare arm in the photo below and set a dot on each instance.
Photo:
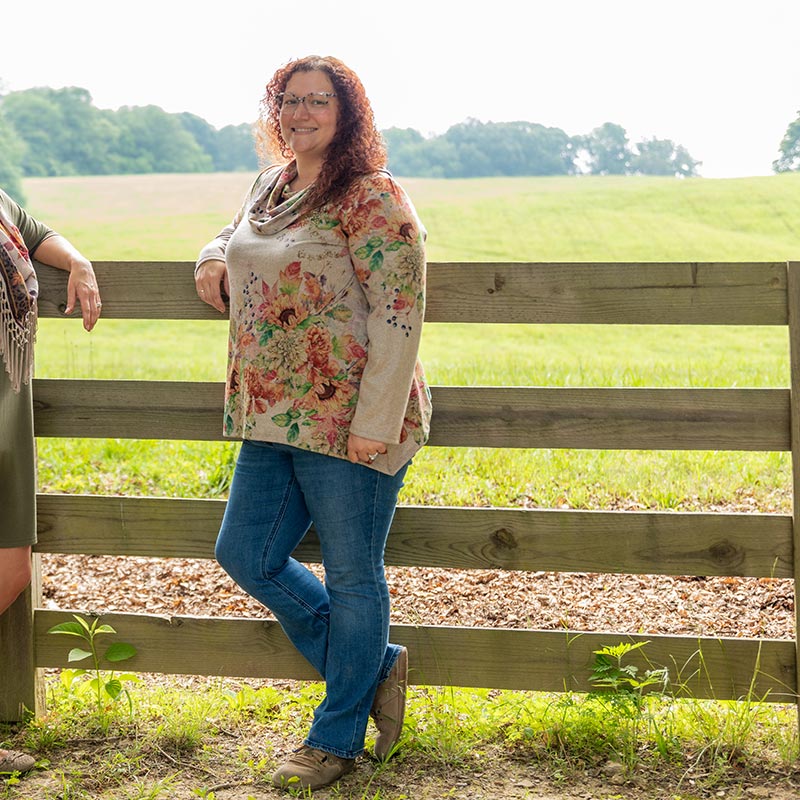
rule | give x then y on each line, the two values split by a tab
58	252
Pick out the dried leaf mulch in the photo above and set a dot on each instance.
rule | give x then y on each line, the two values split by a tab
655	604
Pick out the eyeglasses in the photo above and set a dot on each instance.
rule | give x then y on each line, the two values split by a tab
314	101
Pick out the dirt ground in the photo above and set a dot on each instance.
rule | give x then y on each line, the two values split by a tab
498	776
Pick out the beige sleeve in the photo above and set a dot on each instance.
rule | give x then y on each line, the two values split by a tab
387	248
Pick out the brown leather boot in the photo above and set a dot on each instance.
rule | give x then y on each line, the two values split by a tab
14	761
311	768
389	707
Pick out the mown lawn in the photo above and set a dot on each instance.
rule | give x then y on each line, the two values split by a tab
523	219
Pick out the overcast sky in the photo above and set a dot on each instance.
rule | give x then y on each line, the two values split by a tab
721	77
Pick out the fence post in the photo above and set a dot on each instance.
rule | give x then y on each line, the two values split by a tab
21	687
793	298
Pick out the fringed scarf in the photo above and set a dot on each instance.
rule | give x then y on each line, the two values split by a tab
18	291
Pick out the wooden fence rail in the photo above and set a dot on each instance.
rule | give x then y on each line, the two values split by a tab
708	544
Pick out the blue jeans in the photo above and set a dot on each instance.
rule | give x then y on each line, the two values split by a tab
342	625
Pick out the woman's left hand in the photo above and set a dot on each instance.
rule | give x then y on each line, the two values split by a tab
58	252
82	286
363	450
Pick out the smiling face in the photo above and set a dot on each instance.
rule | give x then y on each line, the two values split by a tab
309	131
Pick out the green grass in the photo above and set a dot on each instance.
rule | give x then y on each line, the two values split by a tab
138	217
218	734
517	219
453	353
611	219
519	355
490	219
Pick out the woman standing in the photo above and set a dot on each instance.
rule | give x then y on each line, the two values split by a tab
22	236
325	267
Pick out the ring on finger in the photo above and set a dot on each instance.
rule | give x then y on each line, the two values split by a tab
372	456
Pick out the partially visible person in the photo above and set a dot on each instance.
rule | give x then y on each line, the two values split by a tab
21	238
325	268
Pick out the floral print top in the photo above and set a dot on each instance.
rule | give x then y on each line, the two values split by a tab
325	321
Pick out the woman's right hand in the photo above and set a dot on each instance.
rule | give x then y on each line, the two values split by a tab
211	279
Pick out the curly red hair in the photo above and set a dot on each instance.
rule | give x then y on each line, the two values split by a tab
357	147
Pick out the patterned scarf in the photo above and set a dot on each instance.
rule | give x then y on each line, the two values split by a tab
274	207
18	291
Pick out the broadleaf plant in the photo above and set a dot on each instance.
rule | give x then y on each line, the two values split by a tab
101	685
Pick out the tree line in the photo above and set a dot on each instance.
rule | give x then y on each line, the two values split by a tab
789	158
480	149
53	132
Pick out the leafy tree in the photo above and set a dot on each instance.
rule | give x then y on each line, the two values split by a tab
65	134
10	155
443	159
35	119
236	150
789	159
151	140
406	149
232	148
87	136
203	132
474	149
607	150
398	138
61	132
663	157
510	148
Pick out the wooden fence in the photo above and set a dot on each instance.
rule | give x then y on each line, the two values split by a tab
708	544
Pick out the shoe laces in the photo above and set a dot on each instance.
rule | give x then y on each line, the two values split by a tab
311	756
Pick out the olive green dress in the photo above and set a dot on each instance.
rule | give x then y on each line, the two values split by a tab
17	445
17	466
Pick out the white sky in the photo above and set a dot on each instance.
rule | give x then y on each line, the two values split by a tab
721	77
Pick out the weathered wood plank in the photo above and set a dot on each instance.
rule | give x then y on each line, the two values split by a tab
757	545
131	290
128	409
793	291
611	419
621	293
632	293
21	687
464	416
479	657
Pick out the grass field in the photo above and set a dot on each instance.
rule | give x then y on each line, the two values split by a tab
491	219
524	219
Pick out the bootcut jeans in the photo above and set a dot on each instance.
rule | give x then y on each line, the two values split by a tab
341	626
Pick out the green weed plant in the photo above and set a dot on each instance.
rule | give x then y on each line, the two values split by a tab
103	686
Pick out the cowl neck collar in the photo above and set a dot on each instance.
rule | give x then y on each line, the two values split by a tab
273	209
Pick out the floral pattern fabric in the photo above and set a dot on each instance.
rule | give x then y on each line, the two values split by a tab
326	315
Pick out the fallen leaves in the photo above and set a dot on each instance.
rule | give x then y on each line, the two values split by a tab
744	607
